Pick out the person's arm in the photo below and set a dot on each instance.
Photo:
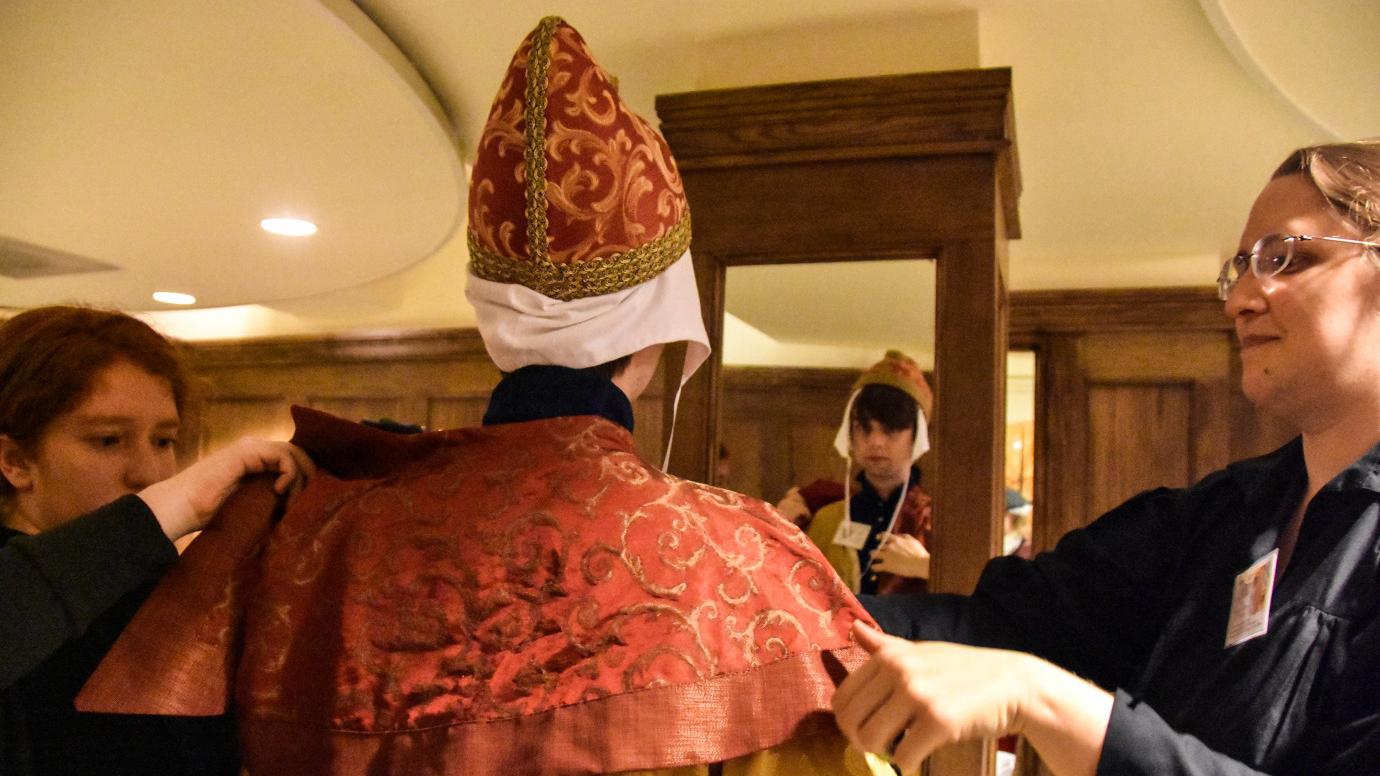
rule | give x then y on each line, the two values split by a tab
929	694
52	585
1094	605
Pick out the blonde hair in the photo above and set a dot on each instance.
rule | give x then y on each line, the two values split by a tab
1348	175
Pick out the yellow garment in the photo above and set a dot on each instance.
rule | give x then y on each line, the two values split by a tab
843	559
828	755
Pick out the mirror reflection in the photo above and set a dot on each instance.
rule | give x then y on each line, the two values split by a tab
798	339
825	408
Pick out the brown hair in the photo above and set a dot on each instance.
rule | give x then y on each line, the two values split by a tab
1348	175
49	356
891	407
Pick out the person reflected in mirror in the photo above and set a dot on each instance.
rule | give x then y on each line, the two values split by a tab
1232	626
876	530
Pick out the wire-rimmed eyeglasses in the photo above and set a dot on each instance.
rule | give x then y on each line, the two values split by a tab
1270	256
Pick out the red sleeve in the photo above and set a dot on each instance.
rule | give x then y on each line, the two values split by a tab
821	493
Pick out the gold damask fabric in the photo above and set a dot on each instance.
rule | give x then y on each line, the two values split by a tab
520	598
572	194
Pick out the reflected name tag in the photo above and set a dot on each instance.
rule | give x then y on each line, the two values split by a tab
852	535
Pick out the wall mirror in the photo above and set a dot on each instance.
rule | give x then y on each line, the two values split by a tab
795	338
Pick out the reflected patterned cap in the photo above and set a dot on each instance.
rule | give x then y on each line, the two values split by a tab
899	371
573	195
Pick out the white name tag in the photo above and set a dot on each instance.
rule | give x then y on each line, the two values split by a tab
1250	601
852	535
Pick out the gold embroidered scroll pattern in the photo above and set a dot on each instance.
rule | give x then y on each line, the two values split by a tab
761	635
608	173
644	670
268	632
809	581
683	541
534	139
595	101
503	139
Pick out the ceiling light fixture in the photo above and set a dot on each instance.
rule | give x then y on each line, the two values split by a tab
290	227
172	297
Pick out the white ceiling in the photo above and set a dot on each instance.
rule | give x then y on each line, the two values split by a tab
153	135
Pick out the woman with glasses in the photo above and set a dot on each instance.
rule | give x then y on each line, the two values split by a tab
90	505
1229	627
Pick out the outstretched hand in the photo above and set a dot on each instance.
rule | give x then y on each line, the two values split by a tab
185	502
919	696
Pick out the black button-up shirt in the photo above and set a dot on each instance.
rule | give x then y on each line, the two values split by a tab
1139	600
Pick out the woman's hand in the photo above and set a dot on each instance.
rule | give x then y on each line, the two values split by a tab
928	694
186	501
902	555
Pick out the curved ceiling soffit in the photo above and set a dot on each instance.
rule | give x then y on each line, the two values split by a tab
178	111
402	66
1319	57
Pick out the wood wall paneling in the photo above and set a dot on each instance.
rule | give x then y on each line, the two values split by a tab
1141	438
1123	377
224	419
439	380
447	412
779	426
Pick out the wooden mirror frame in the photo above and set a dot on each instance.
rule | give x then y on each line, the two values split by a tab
892	167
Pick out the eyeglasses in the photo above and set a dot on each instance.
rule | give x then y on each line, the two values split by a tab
1270	256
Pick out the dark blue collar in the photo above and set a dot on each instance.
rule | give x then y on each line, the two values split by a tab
541	392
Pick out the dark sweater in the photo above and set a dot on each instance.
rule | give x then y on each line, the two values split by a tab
65	595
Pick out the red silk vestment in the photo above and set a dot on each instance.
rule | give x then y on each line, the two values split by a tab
520	597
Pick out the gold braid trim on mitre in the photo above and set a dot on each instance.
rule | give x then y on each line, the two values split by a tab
590	277
534	136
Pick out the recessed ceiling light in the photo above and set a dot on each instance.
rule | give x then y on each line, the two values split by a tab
172	297
291	227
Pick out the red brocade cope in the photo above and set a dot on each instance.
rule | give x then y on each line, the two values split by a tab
529	597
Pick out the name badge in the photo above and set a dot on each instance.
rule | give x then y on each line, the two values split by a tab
852	535
1250	601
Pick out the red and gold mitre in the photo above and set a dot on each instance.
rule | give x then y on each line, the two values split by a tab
573	195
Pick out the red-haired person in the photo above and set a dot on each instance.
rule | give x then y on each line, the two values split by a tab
90	505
